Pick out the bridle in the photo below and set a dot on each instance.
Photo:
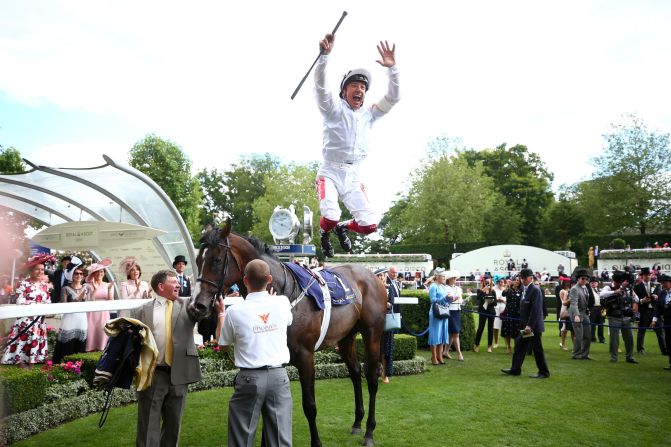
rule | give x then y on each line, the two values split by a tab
221	285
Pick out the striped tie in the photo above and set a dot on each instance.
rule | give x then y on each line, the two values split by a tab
168	333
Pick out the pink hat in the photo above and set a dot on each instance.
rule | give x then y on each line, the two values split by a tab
95	267
38	259
126	264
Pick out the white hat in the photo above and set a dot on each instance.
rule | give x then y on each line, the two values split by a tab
451	274
356	75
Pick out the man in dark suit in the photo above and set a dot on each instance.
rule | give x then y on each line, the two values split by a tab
648	294
177	366
531	316
59	280
579	316
179	264
662	313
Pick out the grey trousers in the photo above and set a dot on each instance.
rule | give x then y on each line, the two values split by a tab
618	325
260	392
161	401
583	337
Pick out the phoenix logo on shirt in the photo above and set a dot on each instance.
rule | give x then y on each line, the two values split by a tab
264	318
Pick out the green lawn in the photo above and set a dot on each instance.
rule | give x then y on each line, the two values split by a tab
585	403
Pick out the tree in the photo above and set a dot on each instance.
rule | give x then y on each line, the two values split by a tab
448	202
523	180
564	222
289	184
11	161
633	173
166	164
232	192
13	224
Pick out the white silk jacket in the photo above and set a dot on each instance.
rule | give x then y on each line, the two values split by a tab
346	130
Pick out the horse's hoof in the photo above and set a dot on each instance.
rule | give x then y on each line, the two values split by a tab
368	442
355	431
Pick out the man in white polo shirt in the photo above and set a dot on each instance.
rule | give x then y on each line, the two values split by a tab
258	329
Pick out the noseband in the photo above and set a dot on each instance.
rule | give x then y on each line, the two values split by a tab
221	286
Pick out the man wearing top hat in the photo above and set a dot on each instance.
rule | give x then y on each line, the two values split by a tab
531	319
648	294
661	316
346	127
579	315
179	264
619	303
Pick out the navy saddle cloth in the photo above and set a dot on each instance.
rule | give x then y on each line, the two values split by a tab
340	291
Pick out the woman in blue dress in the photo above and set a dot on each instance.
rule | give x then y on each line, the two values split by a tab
438	335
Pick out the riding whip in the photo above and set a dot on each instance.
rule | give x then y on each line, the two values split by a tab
300	84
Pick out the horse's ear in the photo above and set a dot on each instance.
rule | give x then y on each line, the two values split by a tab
226	229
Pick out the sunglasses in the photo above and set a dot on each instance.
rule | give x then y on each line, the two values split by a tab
78	274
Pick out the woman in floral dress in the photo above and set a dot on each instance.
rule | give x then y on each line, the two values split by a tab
31	345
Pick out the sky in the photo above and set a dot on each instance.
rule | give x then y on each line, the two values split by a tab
79	79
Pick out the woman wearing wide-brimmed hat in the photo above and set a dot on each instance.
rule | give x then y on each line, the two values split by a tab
31	345
74	326
98	290
438	329
455	299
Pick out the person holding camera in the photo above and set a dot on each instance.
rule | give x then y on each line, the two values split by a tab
619	302
486	313
662	313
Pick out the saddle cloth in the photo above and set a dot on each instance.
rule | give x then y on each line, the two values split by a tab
341	292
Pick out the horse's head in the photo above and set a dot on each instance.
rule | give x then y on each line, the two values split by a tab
218	268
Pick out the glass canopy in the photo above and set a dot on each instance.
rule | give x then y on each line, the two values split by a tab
112	192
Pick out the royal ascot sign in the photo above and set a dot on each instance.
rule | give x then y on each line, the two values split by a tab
495	260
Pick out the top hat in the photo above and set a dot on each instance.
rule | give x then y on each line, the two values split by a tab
621	276
663	277
524	273
645	271
179	258
580	272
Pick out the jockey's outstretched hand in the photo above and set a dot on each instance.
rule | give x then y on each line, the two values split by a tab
387	54
326	44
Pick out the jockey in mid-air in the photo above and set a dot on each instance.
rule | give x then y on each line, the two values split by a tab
345	146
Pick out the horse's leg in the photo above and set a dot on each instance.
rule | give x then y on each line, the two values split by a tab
371	339
303	360
348	353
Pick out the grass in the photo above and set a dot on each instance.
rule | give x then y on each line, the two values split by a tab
586	403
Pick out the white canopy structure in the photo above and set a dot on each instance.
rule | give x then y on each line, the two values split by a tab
112	210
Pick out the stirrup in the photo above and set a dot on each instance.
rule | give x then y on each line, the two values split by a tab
341	231
327	248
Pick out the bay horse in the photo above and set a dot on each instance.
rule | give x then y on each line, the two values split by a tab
221	261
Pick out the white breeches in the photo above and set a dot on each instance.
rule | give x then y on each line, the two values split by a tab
340	180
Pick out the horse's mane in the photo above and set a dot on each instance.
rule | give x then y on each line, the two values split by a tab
261	247
212	238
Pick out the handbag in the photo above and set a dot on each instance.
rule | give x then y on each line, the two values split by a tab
563	313
392	321
441	311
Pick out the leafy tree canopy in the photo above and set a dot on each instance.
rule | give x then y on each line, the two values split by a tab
167	165
11	161
523	180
